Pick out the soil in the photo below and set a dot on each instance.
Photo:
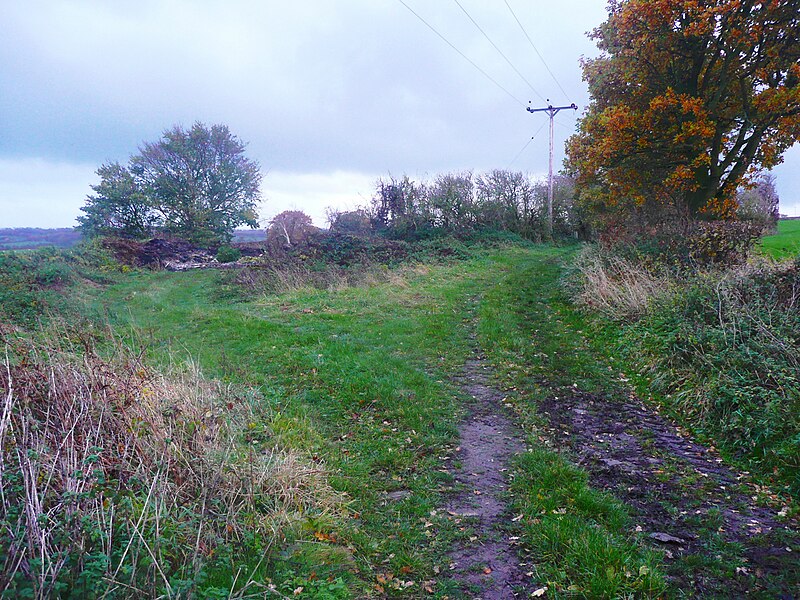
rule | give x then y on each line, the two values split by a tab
681	495
160	253
486	564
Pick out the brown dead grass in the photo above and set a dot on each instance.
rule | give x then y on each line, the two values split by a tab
154	472
619	288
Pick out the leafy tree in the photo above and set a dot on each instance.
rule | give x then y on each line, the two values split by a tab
401	205
452	200
353	222
290	227
195	183
759	202
200	182
505	199
118	206
689	99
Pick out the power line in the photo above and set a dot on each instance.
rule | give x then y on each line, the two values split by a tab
510	64
464	56
528	143
530	41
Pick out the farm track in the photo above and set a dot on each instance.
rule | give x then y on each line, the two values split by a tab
684	500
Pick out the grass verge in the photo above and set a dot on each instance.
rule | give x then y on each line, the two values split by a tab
357	378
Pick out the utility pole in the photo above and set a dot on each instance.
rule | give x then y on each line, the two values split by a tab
552	111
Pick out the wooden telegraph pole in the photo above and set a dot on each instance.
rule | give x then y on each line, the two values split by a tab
552	111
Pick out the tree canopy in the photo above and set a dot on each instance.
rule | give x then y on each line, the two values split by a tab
690	99
118	206
289	227
195	183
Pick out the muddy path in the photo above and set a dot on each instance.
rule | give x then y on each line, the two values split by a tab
682	496
485	562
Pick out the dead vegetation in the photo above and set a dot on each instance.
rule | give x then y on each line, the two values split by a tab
117	479
617	287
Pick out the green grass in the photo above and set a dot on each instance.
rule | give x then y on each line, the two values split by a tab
360	379
580	538
785	243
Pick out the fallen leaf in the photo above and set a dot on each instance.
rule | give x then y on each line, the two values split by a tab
486	570
540	592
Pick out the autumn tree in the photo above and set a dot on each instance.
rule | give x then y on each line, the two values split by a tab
289	227
689	99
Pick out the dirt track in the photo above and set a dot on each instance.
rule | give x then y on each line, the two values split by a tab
684	500
488	565
682	495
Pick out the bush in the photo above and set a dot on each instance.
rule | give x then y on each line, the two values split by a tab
227	254
725	354
32	282
686	247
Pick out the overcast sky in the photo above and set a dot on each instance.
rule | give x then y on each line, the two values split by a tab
328	94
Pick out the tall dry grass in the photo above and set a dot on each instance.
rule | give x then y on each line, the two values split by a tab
120	481
615	286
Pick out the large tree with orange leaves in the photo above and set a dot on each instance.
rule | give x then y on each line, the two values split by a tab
689	99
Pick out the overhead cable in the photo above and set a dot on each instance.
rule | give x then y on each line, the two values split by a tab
510	64
464	56
530	41
528	143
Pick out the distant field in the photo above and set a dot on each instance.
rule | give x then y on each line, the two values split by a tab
25	238
785	243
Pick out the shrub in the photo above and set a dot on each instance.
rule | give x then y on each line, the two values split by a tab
227	254
725	354
682	247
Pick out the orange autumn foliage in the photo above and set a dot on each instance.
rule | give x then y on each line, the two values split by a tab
689	100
